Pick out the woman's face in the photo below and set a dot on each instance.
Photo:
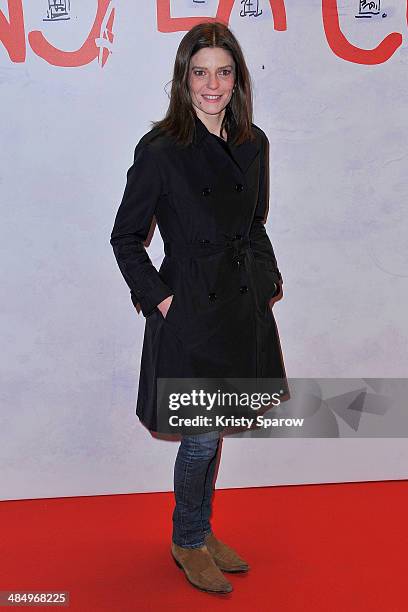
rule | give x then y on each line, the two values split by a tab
211	79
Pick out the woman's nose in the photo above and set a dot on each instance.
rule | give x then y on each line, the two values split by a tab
213	81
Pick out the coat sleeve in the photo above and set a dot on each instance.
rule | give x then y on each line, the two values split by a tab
131	227
260	243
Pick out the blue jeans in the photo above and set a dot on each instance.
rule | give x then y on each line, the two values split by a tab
194	471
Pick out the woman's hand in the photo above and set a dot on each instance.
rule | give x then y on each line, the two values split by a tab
165	305
277	295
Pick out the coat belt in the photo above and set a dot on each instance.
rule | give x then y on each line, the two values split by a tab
238	247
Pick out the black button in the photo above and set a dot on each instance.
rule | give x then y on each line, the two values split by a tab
243	289
212	296
238	262
204	241
206	191
238	236
239	187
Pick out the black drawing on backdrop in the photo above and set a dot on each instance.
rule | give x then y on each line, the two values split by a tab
58	10
367	9
250	8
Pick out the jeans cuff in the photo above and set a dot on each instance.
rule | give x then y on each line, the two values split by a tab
189	545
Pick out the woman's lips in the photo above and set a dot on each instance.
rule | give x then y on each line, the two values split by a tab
212	99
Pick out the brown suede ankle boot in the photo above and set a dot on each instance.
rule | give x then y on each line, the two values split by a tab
200	569
225	557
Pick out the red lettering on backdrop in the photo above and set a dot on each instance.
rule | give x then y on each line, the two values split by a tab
12	33
341	47
89	50
166	23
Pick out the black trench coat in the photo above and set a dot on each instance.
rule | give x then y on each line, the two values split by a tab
209	200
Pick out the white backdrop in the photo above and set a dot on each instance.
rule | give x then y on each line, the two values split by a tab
70	337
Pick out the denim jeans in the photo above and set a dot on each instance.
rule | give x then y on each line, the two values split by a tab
194	471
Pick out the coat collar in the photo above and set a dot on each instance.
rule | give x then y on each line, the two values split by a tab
243	154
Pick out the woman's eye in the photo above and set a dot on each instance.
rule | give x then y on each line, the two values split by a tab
225	72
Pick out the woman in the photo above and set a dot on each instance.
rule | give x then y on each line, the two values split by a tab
202	172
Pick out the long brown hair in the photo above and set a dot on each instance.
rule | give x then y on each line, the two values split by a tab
179	120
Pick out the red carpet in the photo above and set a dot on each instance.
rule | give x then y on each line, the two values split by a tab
333	547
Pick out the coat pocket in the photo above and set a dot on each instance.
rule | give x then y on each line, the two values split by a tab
170	311
267	282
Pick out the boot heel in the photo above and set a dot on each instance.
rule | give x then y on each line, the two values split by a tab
176	562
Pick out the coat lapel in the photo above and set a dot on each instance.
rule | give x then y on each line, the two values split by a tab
243	154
